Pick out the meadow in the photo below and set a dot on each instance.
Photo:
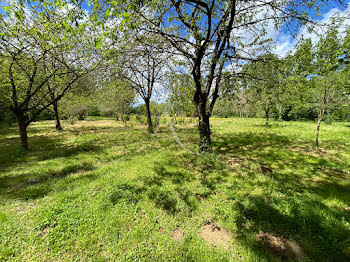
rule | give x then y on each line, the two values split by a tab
103	191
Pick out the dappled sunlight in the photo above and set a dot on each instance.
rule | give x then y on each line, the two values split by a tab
97	178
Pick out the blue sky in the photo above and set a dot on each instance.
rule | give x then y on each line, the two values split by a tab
285	40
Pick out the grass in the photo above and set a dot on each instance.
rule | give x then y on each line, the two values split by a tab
103	191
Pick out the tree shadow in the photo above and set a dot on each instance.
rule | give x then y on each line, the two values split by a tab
293	185
180	184
309	222
29	186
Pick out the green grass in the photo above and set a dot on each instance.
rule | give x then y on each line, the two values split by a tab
102	191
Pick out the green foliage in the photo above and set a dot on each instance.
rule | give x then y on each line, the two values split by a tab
181	92
115	99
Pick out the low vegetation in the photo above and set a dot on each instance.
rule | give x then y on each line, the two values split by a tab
96	192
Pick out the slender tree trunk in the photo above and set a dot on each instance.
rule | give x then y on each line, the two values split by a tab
175	118
149	117
319	120
117	117
183	118
280	111
21	121
58	123
267	117
123	119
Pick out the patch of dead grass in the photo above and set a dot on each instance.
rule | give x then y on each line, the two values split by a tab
281	247
178	235
215	235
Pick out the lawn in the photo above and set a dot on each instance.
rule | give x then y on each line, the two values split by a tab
102	191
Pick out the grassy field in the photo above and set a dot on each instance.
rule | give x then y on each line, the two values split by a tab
102	191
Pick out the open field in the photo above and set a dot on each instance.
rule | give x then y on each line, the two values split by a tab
102	191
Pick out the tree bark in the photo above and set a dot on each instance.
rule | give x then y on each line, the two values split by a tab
319	120
58	123
267	117
21	121
149	117
204	133
183	118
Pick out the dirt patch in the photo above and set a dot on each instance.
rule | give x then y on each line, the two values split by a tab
280	246
216	235
178	235
23	210
45	231
234	162
265	169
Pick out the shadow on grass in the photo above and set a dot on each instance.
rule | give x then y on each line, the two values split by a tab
293	183
29	186
180	184
314	225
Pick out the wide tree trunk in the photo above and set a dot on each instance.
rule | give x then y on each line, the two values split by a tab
21	121
149	117
58	123
204	133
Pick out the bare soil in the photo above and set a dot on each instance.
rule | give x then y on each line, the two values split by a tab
280	246
216	235
178	235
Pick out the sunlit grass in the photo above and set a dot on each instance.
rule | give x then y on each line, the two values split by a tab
104	191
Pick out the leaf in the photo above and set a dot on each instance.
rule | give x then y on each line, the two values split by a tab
98	42
6	8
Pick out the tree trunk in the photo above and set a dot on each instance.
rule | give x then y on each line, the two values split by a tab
183	118
175	119
22	129
123	118
58	123
267	116
319	120
204	133
280	112
117	117
149	117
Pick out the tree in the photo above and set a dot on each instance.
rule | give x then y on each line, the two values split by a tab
318	80
33	33
142	65
116	97
180	93
327	92
265	81
208	33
